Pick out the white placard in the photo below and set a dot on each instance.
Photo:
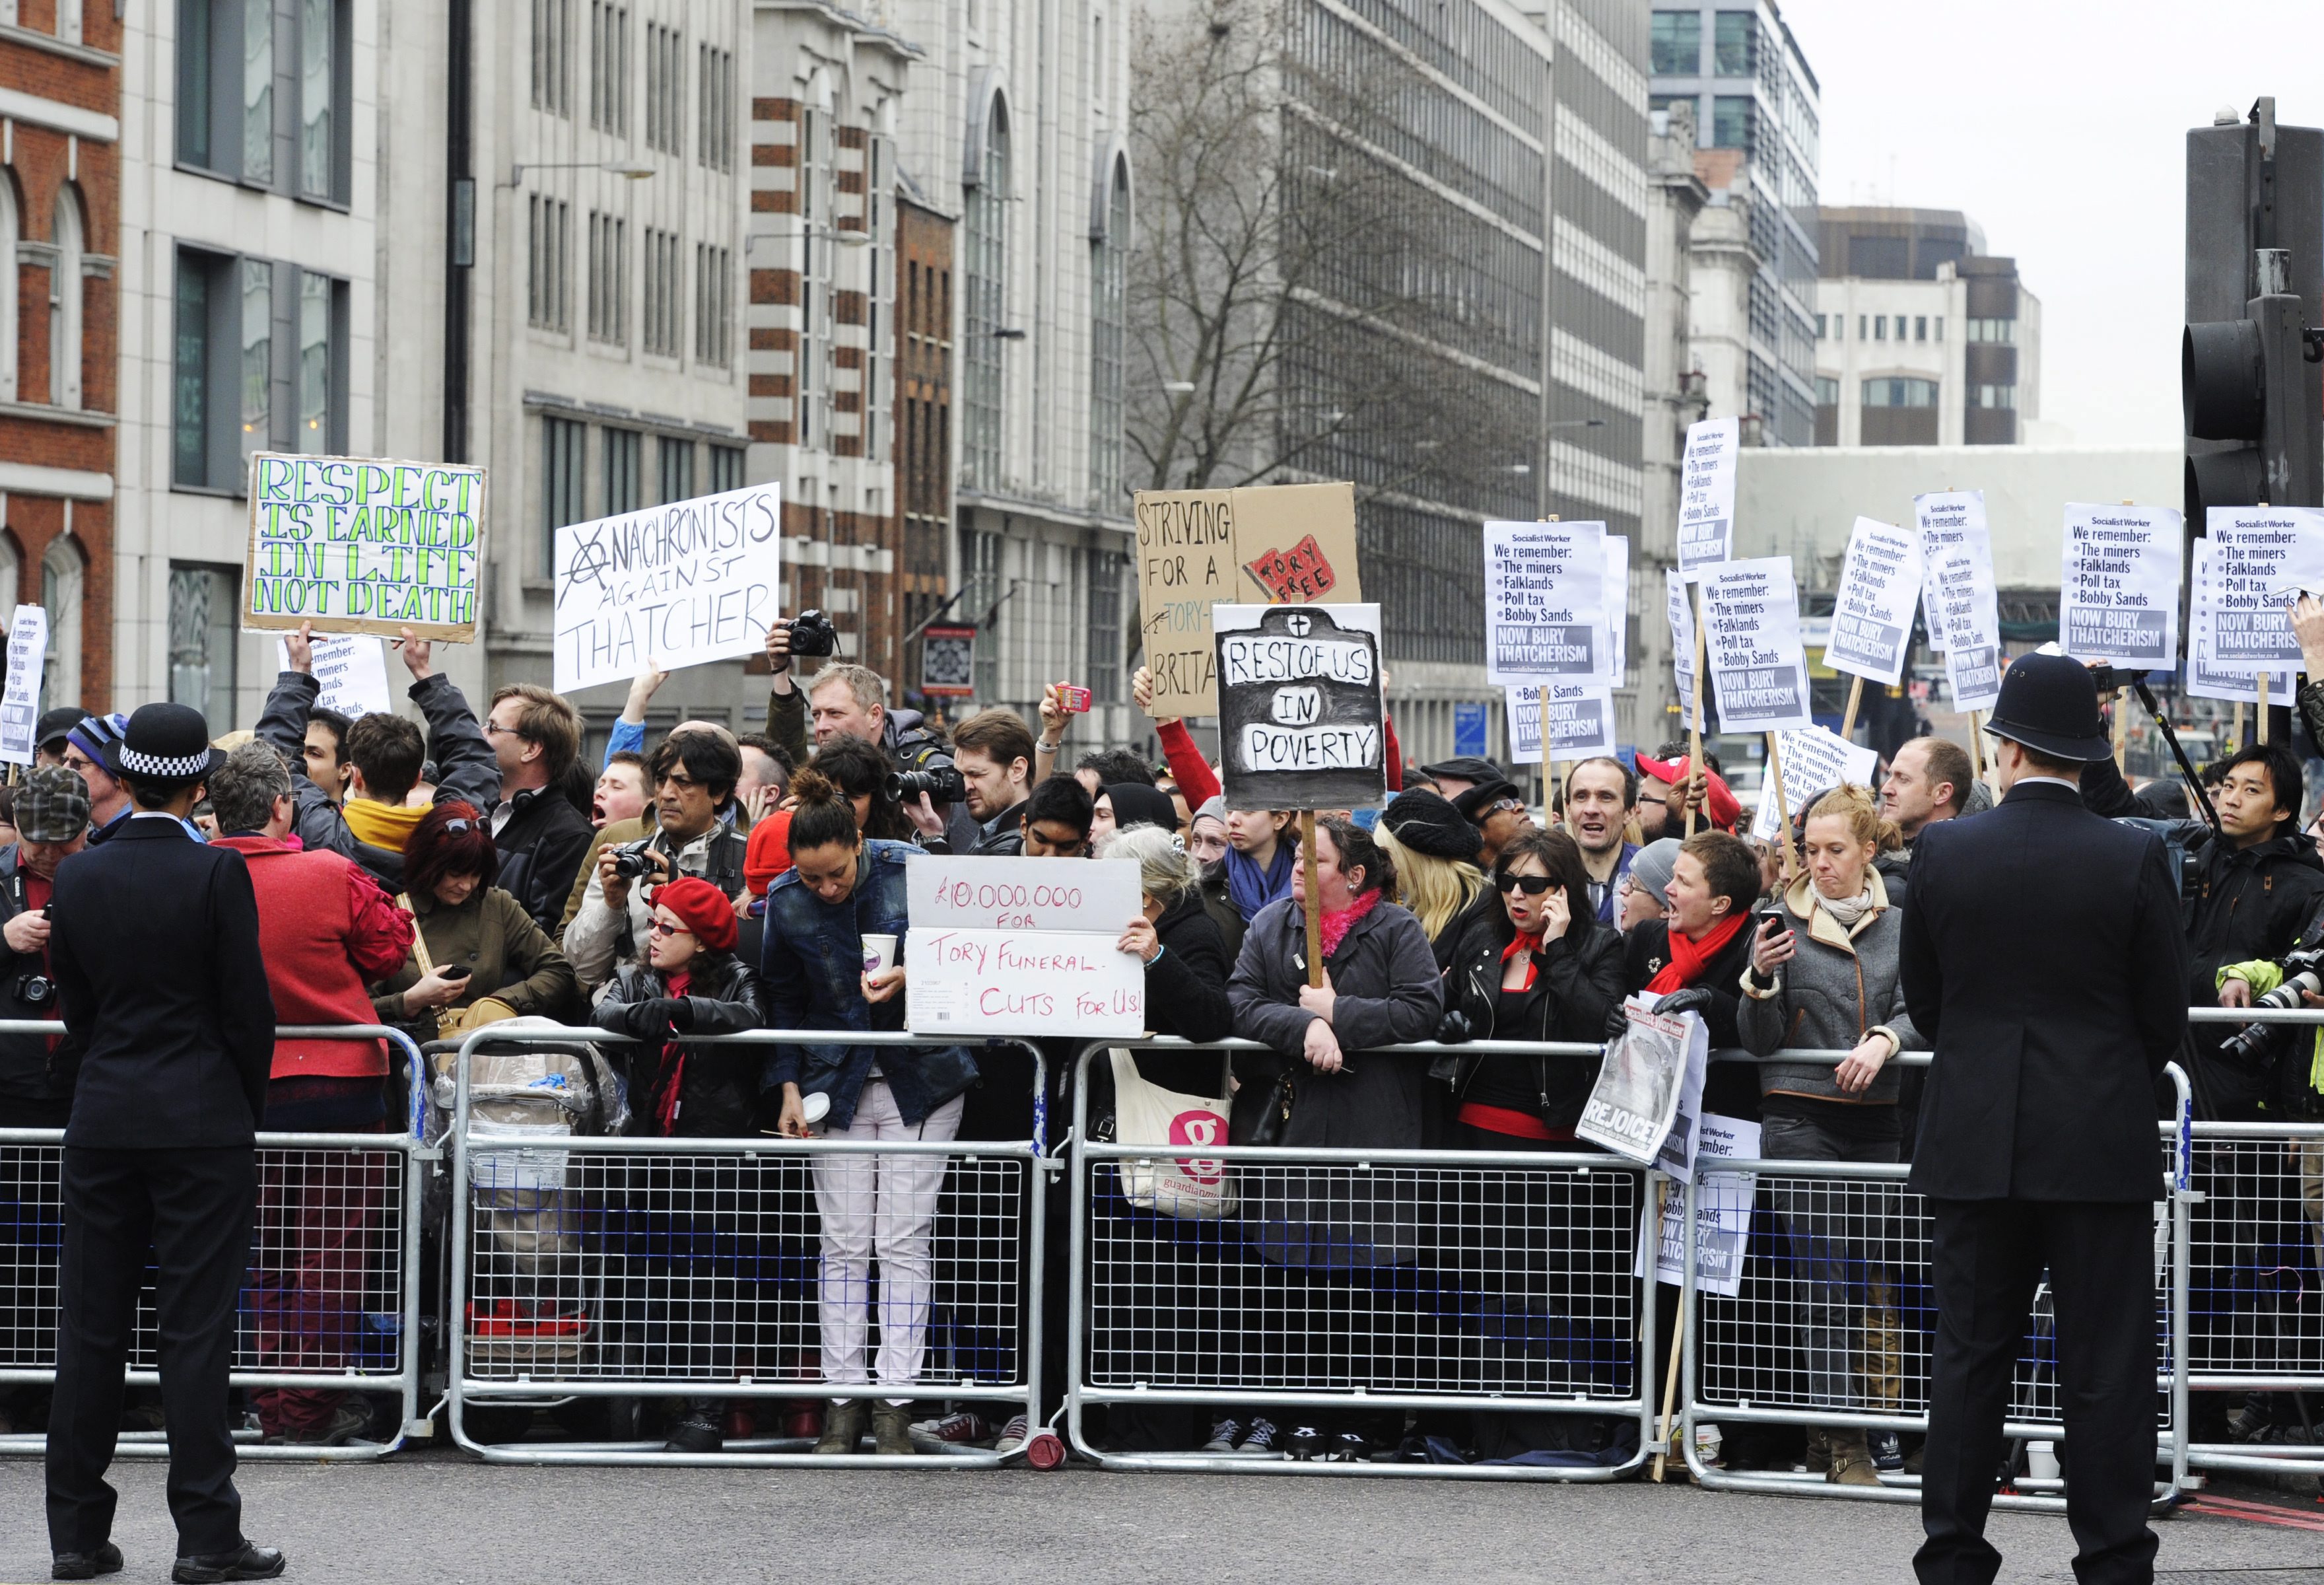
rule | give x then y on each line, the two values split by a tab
1642	1081
2263	557
1580	720
1020	895
1706	499
19	703
1751	617
676	585
1723	1202
1948	519
1678	604
979	982
352	669
1969	609
2120	585
2206	679
1614	667
1872	619
1544	600
1815	761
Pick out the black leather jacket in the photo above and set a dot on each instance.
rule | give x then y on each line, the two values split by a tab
1579	979
718	1085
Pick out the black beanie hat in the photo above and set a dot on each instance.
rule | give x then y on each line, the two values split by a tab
1424	822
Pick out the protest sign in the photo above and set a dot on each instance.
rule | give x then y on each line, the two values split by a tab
1631	1106
1969	609
1723	1218
351	670
2206	679
1706	501
20	703
1020	946
1815	760
1616	669
671	587
1580	720
1752	632
1872	617
2119	586
1544	600
1300	706
1679	609
361	544
2261	558
1948	520
1280	544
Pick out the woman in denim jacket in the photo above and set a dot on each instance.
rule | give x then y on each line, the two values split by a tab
842	887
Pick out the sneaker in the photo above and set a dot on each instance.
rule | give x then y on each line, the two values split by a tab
1261	1442
1013	1436
1887	1451
1223	1434
1349	1446
1305	1444
962	1429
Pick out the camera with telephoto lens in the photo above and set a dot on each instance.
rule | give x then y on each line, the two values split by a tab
813	636
35	990
2302	971
937	776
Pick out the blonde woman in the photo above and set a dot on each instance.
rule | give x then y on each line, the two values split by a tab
1435	852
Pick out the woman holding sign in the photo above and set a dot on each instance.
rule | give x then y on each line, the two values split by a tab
835	921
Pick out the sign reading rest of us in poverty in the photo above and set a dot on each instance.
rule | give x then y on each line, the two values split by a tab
1300	706
1544	600
2262	558
2120	585
1580	720
672	586
362	545
1680	609
2206	679
1872	617
1751	634
1020	946
1285	544
1816	759
1948	519
350	670
1706	500
19	703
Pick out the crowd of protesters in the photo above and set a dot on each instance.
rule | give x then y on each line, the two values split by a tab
439	875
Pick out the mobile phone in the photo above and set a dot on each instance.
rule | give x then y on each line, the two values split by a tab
454	971
1072	699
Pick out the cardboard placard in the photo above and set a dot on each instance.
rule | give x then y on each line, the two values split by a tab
1948	519
1724	1201
19	703
2205	678
2120	585
1301	708
1544	601
1276	544
351	670
2262	556
1757	667
1815	761
1872	617
1580	720
1706	501
672	586
363	544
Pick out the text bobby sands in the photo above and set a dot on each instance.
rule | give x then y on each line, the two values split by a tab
1297	737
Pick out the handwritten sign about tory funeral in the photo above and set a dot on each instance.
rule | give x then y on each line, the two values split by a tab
1580	720
1706	501
1872	617
1751	635
362	545
1020	946
672	586
1300	706
19	705
1815	761
2120	585
1544	601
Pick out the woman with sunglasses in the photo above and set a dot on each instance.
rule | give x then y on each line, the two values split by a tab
474	942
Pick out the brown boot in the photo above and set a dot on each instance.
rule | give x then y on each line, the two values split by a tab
891	1430
842	1428
1850	1461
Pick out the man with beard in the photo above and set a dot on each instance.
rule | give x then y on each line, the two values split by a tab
1599	794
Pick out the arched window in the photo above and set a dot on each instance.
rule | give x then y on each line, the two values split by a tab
1109	337
62	577
11	232
986	323
64	301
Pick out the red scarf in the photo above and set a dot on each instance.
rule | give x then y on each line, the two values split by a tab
1525	943
1689	958
673	1057
1337	925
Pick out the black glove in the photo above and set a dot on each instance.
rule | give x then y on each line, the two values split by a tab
1694	998
679	1011
1454	1028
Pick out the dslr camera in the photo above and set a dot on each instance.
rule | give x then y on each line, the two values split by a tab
2302	971
813	636
933	773
35	990
635	860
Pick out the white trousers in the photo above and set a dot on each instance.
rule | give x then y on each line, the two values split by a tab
884	1205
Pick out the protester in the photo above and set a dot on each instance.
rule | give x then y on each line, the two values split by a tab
1498	812
1706	790
861	771
326	930
539	835
1600	794
51	732
1106	767
1823	977
1928	781
474	943
1694	960
1057	819
693	773
766	779
851	700
89	747
1130	803
622	793
1652	818
842	887
1433	852
1453	777
994	750
1259	859
1646	890
690	984
1206	832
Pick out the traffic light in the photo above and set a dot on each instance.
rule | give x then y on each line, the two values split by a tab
2248	375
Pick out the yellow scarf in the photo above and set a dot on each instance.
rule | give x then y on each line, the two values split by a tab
382	825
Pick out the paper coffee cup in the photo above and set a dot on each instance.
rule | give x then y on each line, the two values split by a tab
816	1107
878	953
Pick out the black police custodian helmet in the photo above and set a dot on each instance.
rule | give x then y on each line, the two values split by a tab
2049	704
164	742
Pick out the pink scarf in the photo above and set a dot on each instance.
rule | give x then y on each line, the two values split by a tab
1337	925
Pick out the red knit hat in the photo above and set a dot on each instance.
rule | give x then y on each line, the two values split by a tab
1721	804
704	908
770	853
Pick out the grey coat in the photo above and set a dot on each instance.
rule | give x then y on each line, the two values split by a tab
1834	991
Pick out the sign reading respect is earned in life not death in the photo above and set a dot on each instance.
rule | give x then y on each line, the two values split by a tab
363	544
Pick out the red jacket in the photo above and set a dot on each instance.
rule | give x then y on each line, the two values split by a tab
326	930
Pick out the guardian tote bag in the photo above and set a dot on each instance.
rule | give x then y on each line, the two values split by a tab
1147	1114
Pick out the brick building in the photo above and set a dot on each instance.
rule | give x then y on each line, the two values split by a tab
924	255
60	221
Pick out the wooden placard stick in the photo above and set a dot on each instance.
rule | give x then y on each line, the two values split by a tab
1548	765
1783	815
1314	900
1694	720
1855	698
2121	725
2263	707
2235	732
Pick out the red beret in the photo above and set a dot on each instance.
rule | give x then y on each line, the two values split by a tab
704	908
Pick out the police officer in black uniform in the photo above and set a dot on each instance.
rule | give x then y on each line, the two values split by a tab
2042	957
153	942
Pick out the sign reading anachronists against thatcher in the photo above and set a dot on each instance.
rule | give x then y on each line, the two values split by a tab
363	544
677	585
1300	706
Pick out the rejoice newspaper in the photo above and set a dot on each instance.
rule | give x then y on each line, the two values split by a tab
1643	1086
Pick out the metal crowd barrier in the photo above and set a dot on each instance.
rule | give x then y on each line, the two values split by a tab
1827	1266
1358	1281
352	1327
589	1273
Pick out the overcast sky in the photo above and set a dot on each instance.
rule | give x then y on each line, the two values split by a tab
2059	126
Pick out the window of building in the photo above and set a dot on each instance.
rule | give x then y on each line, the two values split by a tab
622	481
549	270
552	56
65	298
64	578
1820	334
561	483
674	460
816	255
664	300
11	231
1677	43
195	374
1108	335
228	51
1735	44
609	66
1900	327
1734	120
981	555
256	382
68	21
986	256
231	394
1827	390
1921	327
665	89
1993	396
318	110
715	94
714	305
1937	328
1900	393
608	278
316	373
203	608
2000	330
725	468
1107	569
1880	327
1859	327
